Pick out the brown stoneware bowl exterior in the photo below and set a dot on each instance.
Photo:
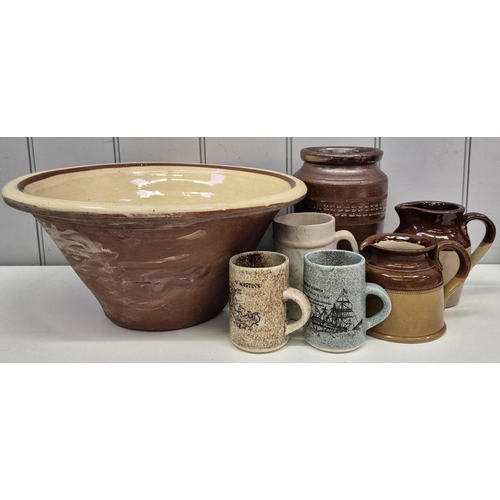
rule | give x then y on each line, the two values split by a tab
345	182
153	258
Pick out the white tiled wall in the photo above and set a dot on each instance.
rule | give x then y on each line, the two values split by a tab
185	149
257	152
462	170
483	190
18	231
422	169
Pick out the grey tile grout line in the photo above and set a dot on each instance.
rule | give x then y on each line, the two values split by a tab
116	149
288	156
39	232
466	173
377	143
203	149
288	162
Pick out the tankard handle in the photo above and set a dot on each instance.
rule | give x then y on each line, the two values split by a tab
344	235
489	235
463	270
305	307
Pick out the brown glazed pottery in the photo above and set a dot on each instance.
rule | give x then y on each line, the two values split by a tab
152	241
407	266
345	182
440	221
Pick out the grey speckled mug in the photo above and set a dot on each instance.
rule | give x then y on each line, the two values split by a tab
335	284
258	291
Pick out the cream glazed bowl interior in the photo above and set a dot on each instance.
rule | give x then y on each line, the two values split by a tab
152	241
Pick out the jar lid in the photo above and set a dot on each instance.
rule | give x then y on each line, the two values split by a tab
341	155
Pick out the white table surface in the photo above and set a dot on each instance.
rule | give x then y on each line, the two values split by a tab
48	315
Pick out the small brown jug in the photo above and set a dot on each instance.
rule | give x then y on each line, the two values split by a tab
440	221
407	266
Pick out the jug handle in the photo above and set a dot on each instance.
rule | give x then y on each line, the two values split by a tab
463	270
488	238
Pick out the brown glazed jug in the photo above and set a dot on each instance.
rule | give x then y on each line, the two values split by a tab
407	266
444	221
345	182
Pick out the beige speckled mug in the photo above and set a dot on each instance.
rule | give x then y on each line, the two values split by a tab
258	292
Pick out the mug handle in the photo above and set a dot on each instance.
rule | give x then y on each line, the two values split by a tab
305	307
374	289
347	236
489	235
463	270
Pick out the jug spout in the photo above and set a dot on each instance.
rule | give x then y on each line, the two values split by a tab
435	219
400	251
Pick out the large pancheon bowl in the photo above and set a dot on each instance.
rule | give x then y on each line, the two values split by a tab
152	241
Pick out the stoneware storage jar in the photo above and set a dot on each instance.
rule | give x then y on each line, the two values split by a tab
407	266
345	182
445	221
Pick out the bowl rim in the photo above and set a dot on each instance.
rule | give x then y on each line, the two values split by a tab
14	195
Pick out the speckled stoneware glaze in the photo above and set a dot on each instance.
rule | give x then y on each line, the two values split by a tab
335	284
152	241
259	290
299	233
445	221
345	182
408	267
